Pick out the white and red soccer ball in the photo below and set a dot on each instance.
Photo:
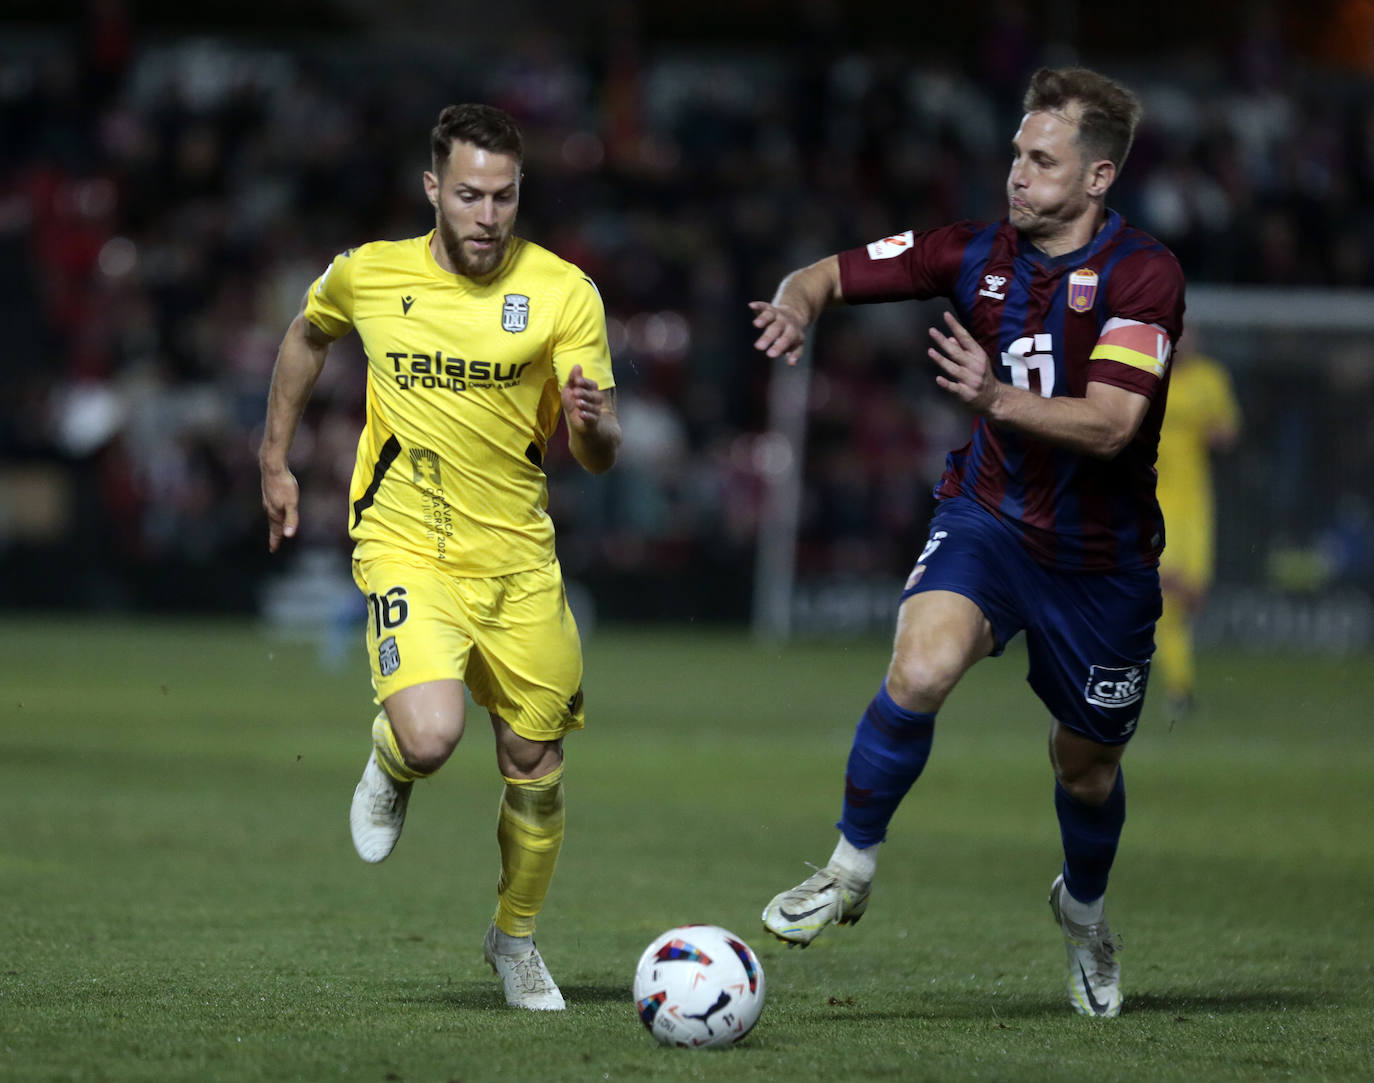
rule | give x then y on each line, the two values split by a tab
698	986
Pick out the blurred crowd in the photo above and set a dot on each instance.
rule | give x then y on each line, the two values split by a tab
164	203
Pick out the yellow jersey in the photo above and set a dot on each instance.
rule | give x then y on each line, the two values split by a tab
463	381
1201	404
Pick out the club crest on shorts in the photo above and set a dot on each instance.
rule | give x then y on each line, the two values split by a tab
1082	289
388	656
515	313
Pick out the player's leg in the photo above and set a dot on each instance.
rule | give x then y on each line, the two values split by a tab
1185	573
529	677
1174	647
529	832
1089	663
530	826
417	654
1090	803
939	635
943	628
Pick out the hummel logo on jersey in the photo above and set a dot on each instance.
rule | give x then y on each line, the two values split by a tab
994	285
406	302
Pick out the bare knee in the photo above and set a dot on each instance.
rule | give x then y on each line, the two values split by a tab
1085	768
520	757
428	721
1091	785
428	746
939	635
921	681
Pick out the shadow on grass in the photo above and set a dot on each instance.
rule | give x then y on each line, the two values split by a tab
487	994
1182	1007
1223	1002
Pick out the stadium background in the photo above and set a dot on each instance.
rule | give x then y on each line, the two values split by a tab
174	175
180	896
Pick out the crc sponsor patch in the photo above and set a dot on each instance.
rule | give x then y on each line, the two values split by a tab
1116	686
891	246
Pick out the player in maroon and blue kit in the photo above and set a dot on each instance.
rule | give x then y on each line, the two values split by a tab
1063	321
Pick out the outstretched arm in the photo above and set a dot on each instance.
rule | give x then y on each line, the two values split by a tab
299	362
1100	424
593	428
796	305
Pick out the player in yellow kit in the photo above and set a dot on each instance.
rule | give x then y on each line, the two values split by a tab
1202	417
476	341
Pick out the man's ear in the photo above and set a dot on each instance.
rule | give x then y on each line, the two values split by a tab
1100	177
431	188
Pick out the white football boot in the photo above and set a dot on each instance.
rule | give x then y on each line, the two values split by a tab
378	812
523	974
827	897
1094	973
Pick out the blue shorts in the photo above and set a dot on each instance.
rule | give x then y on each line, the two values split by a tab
1089	635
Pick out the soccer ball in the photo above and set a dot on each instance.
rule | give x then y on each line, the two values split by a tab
698	986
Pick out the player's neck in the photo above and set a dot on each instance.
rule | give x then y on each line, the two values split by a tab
1073	235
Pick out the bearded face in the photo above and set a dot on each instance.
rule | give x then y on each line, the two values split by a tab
476	195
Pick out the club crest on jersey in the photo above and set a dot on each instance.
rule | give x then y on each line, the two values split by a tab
1082	289
515	313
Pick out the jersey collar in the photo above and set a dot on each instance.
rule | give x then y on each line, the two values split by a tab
1078	256
512	253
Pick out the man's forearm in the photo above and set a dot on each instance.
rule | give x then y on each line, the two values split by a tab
808	290
1099	425
299	363
596	451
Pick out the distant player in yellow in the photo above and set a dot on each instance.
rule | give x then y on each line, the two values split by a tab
476	341
1202	417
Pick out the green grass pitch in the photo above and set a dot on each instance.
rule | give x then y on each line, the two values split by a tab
181	900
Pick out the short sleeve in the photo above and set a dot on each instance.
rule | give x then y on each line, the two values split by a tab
581	335
329	301
905	266
1145	318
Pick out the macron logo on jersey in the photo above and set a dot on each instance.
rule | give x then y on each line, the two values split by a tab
891	246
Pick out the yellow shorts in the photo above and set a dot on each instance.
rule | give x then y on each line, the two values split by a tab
1187	560
511	639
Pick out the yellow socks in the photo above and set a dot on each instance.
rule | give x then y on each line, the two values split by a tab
530	831
1174	649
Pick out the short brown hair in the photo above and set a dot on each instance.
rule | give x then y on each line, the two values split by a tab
483	126
1110	112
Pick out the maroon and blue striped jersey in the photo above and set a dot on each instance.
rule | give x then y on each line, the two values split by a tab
1110	312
